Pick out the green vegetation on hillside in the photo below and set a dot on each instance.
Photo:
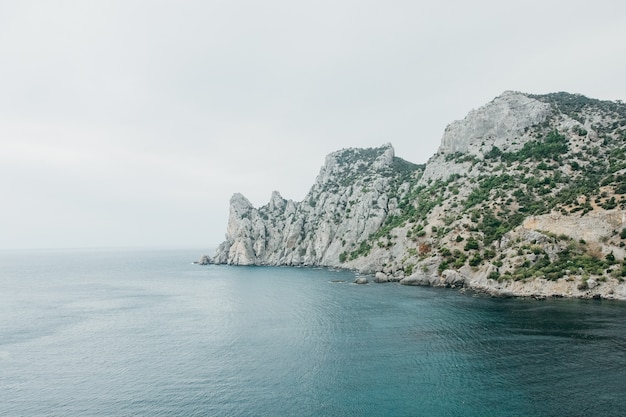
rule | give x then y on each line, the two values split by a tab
552	147
575	259
573	105
572	171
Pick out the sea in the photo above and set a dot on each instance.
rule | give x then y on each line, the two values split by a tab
129	332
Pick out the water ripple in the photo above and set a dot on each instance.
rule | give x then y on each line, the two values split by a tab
152	335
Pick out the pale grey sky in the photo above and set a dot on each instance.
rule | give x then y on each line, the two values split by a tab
131	123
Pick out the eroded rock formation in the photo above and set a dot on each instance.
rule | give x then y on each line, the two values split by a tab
525	196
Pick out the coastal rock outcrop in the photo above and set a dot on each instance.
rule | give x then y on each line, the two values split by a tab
526	196
354	193
503	123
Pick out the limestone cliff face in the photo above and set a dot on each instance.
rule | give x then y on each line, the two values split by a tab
504	123
525	196
353	194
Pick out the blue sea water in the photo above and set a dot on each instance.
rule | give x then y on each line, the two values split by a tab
147	333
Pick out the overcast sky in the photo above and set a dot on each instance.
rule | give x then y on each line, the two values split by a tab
131	123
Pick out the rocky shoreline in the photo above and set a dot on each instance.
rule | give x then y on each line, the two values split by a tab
526	197
537	288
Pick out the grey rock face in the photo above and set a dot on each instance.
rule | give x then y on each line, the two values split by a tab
498	123
417	280
381	277
353	194
453	278
501	123
375	213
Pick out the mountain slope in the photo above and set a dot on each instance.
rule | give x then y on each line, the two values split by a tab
525	196
350	200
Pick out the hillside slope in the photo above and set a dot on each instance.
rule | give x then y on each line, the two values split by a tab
525	196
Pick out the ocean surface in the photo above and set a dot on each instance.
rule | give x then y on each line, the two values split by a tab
148	333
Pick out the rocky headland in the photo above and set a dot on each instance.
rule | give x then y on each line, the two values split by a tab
526	196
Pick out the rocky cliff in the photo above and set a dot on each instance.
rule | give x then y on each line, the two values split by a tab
353	195
525	196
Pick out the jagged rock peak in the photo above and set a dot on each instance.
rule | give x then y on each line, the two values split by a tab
520	191
504	123
355	160
497	123
277	202
239	203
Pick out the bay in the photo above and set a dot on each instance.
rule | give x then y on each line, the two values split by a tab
148	333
